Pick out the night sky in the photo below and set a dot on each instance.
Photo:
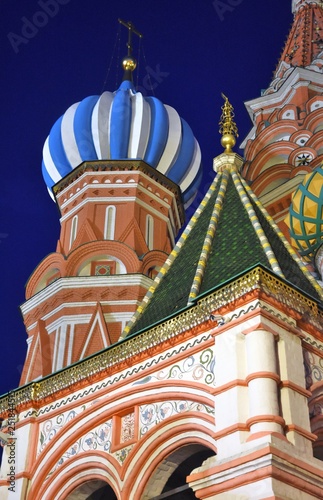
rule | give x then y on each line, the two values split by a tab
56	52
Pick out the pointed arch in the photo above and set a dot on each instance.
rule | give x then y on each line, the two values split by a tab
169	478
173	434
93	466
191	427
94	489
97	336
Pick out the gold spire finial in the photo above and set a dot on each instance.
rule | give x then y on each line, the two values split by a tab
228	127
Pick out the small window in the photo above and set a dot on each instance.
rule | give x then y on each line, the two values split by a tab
109	224
150	232
73	230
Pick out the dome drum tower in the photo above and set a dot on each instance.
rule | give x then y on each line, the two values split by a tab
121	167
119	220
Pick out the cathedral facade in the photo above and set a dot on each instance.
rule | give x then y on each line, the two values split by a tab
178	365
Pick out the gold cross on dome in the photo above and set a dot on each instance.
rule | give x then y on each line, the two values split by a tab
131	30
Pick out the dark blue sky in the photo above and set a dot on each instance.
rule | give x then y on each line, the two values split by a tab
56	52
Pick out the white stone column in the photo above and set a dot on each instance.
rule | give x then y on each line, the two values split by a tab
231	393
294	396
263	380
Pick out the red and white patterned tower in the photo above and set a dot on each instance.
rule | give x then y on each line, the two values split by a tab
285	142
119	221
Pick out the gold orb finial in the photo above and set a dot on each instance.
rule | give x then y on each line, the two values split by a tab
129	63
228	128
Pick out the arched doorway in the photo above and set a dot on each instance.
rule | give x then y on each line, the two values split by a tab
174	469
93	490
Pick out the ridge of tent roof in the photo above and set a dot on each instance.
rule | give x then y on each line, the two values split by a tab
229	232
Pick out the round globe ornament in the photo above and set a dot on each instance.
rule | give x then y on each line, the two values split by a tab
228	141
305	218
129	63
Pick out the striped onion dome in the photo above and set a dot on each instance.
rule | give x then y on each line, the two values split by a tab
305	214
124	125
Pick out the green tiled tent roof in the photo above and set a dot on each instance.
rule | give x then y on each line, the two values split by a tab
244	237
237	247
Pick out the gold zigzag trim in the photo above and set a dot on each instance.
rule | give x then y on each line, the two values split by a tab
200	270
171	258
240	187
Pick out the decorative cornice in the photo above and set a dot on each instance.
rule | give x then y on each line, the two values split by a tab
115	165
282	95
253	281
230	161
83	282
313	343
123	376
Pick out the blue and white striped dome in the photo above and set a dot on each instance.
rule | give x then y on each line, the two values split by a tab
124	125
